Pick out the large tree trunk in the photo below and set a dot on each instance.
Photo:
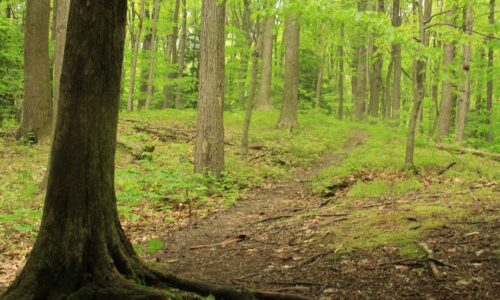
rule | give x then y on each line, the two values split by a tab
264	102
182	55
376	78
396	59
489	84
152	53
80	243
340	53
424	14
360	90
209	147
446	105
463	104
288	117
36	118
171	55
81	251
135	54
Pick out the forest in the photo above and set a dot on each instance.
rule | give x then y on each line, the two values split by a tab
249	149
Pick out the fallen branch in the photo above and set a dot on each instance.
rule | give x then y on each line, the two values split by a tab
230	240
136	151
446	168
313	258
271	219
493	156
431	261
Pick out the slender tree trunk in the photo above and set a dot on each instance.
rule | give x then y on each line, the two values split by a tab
388	96
170	56
146	48
36	119
340	53
446	106
464	101
135	54
264	102
319	81
435	101
361	54
152	54
253	91
489	84
209	147
182	55
424	14
376	78
288	117
396	58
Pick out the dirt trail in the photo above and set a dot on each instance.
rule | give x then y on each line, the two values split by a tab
272	241
246	243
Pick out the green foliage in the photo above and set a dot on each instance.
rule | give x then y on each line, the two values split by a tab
11	61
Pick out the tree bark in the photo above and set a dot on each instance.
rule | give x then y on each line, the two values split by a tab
396	58
424	14
264	102
463	104
135	54
489	84
152	54
209	147
340	53
288	117
182	56
446	105
36	118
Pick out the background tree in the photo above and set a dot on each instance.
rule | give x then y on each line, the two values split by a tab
36	118
209	148
288	117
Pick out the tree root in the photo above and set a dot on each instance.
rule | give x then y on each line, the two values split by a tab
220	292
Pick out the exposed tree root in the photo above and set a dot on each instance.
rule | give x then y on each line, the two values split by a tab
220	292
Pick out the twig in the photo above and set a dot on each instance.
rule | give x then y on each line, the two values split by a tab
271	219
447	168
430	260
313	258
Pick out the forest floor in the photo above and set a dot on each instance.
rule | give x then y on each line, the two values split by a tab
325	212
277	239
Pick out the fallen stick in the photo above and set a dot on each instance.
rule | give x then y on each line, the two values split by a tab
446	168
493	156
313	258
230	240
271	219
430	260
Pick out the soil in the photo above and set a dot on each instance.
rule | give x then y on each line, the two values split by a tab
263	243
